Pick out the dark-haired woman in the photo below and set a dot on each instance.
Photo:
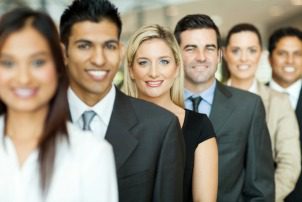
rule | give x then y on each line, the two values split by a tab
242	54
42	157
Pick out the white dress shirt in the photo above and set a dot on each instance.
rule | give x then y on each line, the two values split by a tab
103	110
84	171
293	91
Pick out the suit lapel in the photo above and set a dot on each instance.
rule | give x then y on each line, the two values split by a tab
221	107
299	113
118	132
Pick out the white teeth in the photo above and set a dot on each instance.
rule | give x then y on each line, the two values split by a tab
154	83
97	73
24	92
289	69
243	67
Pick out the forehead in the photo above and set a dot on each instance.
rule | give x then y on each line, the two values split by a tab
244	37
94	31
201	36
154	47
289	42
27	39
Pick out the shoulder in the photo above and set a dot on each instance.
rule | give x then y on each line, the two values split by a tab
273	96
191	115
236	94
143	108
199	123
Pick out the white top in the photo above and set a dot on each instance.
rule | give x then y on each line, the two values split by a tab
84	171
293	91
103	110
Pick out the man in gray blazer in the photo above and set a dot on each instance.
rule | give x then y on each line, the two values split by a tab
146	139
246	169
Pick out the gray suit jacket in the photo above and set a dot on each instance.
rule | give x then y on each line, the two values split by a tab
246	169
149	151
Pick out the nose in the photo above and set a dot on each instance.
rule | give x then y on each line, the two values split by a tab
290	59
24	75
243	56
98	57
153	71
200	56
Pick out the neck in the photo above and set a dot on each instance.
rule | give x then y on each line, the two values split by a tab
200	87
244	84
25	126
164	101
282	83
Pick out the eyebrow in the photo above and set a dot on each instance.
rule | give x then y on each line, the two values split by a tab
211	46
90	42
190	46
41	53
195	46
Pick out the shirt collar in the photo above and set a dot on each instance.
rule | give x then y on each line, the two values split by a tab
103	108
207	95
252	88
293	90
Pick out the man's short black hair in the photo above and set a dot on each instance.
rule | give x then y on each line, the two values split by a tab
88	10
281	33
196	21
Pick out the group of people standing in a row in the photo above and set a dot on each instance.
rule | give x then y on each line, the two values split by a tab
177	135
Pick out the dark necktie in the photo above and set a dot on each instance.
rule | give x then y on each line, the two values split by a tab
195	102
87	117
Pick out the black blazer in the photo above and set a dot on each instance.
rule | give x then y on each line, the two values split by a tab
246	169
149	151
296	194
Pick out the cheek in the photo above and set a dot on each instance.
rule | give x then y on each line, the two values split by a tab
48	76
137	73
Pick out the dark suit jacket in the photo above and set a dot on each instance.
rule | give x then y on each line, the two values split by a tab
149	151
246	169
296	195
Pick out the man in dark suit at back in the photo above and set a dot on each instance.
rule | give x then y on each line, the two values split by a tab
246	170
146	139
285	56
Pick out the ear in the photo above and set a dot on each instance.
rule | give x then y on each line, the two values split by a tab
64	51
220	54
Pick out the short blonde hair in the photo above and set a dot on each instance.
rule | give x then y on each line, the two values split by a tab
146	33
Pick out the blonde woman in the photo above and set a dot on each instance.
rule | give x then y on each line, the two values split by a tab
154	72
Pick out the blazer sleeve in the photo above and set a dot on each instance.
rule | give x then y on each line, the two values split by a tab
287	150
170	169
259	183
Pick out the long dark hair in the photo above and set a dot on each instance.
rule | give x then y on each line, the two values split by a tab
55	122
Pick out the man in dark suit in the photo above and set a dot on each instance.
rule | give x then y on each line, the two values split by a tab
285	56
146	139
246	170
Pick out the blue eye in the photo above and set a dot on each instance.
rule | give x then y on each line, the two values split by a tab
164	62
6	63
38	62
